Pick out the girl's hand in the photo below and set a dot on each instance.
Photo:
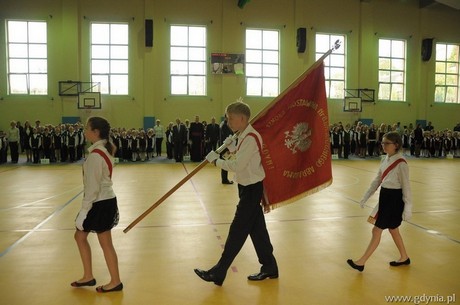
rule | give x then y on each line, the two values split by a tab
407	215
79	221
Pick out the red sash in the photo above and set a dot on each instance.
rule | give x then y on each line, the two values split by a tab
107	160
264	201
255	137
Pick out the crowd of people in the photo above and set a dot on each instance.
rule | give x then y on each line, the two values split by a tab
194	140
67	142
360	140
60	143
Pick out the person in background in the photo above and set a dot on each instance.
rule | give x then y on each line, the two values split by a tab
418	137
21	136
56	143
159	132
27	133
13	142
3	147
35	143
169	141
429	127
47	142
212	135
196	136
150	137
179	135
224	133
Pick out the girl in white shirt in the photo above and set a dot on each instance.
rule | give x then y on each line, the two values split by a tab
395	200
99	212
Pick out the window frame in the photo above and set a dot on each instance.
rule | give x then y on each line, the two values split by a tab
27	74
392	72
328	66
111	59
191	60
266	66
445	75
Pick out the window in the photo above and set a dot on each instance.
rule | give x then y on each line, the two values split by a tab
188	60
447	73
262	62
109	57
334	64
27	57
392	70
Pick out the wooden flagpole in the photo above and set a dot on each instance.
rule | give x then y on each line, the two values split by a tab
171	191
178	185
223	146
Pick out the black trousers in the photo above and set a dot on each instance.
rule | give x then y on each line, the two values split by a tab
14	150
158	142
178	151
224	175
249	220
346	150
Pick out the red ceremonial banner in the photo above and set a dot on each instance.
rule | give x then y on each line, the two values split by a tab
296	147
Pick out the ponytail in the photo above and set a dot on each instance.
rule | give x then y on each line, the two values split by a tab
103	126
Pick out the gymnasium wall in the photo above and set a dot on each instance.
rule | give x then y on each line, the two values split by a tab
364	22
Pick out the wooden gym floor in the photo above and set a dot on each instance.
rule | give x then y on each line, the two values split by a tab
312	238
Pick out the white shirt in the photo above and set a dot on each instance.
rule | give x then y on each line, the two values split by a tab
247	163
397	178
96	177
13	134
159	131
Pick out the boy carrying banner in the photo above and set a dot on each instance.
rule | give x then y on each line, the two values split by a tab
249	217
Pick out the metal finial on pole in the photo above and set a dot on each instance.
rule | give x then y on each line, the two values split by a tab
337	44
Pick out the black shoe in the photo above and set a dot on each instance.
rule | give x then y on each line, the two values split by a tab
227	182
396	264
262	276
208	276
354	266
88	283
116	288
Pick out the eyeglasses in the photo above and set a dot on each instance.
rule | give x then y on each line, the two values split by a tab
387	143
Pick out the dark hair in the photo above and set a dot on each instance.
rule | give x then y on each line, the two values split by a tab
394	137
103	126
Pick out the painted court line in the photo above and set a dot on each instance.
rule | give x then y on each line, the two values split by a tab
30	204
37	227
234	268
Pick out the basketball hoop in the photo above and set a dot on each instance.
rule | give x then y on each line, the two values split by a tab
88	111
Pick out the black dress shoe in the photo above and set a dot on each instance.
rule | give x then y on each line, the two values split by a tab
396	264
208	276
227	182
116	288
262	276
88	283
354	266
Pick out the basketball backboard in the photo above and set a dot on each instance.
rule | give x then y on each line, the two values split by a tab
89	100
352	104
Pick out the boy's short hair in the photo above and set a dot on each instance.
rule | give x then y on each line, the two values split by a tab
239	108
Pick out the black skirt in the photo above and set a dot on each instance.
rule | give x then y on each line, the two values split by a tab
102	217
391	208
